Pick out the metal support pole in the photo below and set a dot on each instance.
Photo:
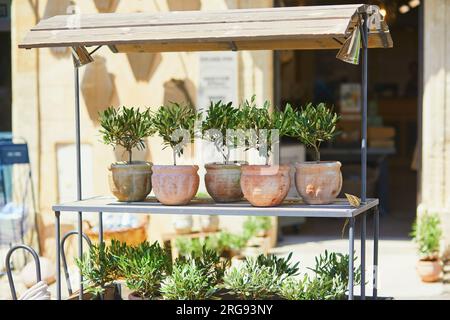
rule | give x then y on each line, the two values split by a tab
64	260
365	50
78	156
100	227
58	254
364	96
9	271
376	233
363	255
351	252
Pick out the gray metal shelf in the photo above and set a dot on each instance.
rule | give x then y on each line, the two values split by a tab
291	208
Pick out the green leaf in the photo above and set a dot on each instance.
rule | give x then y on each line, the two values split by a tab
427	233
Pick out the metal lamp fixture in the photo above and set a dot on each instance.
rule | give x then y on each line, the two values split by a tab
350	51
81	56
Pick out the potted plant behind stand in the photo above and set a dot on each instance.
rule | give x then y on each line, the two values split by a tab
128	127
175	184
317	182
427	234
222	179
264	185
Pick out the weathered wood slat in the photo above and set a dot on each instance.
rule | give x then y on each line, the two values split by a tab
306	44
195	33
198	17
319	27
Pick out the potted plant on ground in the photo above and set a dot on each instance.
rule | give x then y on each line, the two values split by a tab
224	243
264	185
128	127
317	182
256	231
144	268
427	234
257	226
222	179
194	277
175	184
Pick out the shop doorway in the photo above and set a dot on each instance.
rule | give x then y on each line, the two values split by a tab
5	67
317	76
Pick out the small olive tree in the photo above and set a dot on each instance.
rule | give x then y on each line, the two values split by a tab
264	127
221	120
313	125
175	123
126	127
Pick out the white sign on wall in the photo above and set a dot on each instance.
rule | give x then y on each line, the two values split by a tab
218	78
218	81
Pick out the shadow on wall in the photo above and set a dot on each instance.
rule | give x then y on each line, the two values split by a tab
55	7
144	65
177	90
185	5
104	6
98	88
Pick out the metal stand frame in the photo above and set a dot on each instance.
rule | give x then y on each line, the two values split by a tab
8	267
78	151
64	260
364	80
364	95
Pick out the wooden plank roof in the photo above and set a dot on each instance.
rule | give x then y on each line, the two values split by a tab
306	27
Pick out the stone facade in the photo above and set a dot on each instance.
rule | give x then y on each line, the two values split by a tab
43	99
435	179
43	95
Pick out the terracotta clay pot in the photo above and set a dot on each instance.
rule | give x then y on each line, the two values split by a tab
265	186
429	270
318	182
223	182
175	185
130	182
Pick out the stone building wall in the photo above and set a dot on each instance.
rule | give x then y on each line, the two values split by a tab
436	113
43	98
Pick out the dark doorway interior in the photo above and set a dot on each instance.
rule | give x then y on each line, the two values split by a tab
5	67
317	76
